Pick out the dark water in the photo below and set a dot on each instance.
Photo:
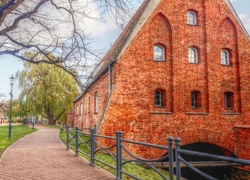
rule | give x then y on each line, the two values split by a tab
221	173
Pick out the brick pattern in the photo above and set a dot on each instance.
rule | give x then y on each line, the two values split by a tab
87	117
41	155
137	76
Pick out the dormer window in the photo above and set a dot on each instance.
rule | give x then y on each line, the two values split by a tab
192	55
225	58
191	18
159	53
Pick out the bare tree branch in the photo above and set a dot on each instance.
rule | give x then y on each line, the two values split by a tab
57	27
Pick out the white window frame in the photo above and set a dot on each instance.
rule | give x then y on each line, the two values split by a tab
225	57
193	55
191	18
159	53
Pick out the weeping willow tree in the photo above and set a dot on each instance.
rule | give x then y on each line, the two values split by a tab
47	91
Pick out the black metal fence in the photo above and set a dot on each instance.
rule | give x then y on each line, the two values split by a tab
116	151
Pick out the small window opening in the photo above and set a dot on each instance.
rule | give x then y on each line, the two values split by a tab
225	57
191	18
228	100
160	98
192	55
159	53
195	99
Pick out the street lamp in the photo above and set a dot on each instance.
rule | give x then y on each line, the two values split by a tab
24	120
11	95
33	119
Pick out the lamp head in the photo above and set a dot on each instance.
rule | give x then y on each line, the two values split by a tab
12	79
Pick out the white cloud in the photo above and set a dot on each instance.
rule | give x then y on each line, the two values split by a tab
97	28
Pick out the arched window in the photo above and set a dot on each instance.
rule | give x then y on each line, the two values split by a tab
225	59
192	55
191	18
159	53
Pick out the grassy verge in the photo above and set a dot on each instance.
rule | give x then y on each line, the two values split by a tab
16	133
53	126
132	168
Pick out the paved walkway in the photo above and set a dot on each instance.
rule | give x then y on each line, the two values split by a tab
41	155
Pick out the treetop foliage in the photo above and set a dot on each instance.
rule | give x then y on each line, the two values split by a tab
47	90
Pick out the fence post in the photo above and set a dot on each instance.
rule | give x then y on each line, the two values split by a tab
95	128
94	142
67	143
76	136
118	156
92	147
170	157
33	124
177	143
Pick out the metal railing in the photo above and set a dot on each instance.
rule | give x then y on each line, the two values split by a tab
117	149
179	159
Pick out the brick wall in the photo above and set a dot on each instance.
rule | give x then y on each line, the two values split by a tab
132	109
136	76
91	110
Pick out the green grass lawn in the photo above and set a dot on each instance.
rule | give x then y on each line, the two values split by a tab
16	133
132	168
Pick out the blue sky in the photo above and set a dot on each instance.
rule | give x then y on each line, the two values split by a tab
105	35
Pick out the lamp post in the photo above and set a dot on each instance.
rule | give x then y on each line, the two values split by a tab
33	120
11	95
24	120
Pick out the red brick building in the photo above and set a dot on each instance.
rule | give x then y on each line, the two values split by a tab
179	68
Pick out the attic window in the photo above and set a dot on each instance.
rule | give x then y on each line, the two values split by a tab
159	53
225	57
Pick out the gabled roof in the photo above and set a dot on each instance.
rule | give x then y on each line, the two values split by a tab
127	35
230	6
114	51
131	30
